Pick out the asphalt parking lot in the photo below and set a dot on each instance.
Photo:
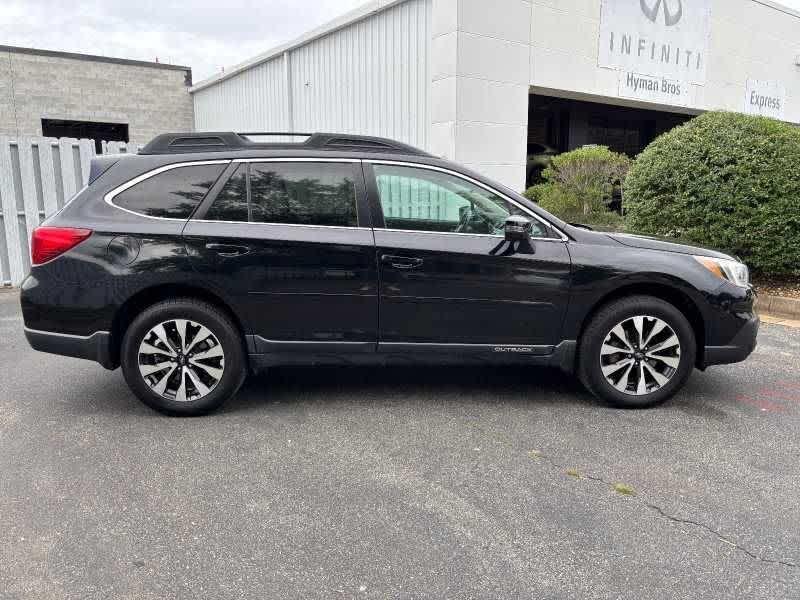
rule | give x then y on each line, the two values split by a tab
399	483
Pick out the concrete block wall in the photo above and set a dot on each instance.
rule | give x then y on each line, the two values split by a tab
480	68
150	99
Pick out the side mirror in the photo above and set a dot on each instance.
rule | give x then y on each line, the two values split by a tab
518	229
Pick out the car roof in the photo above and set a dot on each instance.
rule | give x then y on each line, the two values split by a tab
229	141
183	147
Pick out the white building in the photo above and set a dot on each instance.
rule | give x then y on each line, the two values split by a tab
489	83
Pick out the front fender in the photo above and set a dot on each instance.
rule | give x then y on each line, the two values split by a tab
601	273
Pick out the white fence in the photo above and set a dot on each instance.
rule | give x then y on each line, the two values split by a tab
37	176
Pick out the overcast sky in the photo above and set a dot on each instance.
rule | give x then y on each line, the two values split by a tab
203	34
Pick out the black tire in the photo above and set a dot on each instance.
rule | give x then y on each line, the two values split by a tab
589	353
200	312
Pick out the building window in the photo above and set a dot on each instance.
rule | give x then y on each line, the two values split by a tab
99	132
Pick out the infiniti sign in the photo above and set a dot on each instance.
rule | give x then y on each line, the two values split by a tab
651	8
663	39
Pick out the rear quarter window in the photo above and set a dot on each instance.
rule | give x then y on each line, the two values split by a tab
172	194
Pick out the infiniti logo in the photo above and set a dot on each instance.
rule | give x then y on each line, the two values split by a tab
659	46
651	8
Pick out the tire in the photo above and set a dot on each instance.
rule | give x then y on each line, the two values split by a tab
180	383
666	365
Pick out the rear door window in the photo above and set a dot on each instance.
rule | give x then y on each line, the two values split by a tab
172	194
303	193
231	202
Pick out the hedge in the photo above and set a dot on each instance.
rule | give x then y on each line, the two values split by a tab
579	185
723	180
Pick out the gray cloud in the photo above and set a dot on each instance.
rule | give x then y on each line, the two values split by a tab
204	34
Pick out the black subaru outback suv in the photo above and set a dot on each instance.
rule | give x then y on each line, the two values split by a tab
208	256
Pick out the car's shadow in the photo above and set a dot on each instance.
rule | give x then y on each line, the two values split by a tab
705	396
287	386
409	384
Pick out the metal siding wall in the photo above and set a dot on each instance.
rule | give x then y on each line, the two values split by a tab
37	176
371	77
252	100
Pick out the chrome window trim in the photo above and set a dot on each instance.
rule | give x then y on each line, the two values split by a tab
109	197
526	210
298	159
282	224
487	235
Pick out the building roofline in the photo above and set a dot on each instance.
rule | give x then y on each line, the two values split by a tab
353	16
93	58
779	7
358	14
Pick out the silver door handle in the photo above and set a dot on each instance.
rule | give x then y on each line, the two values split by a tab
404	263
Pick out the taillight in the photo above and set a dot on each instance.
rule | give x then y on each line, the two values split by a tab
49	242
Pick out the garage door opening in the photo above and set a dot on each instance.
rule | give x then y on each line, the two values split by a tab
556	125
99	132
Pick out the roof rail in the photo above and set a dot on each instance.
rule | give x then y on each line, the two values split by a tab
182	143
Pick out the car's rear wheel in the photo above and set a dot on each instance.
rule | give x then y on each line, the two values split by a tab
637	352
183	357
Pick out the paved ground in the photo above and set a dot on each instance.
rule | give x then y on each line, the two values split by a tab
399	483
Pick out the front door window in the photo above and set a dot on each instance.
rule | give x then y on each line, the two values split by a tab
417	199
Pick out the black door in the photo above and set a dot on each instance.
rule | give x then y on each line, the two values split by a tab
447	275
290	241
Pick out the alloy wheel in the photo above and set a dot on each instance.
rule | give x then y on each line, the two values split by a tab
640	355
181	360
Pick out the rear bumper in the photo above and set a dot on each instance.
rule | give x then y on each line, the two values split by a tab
96	347
739	348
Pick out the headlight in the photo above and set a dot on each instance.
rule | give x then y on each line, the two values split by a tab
732	270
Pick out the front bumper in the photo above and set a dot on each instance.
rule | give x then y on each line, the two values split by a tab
739	348
96	347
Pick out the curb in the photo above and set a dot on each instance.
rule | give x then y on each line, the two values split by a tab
778	306
773	320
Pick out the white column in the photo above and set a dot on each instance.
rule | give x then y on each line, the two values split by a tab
480	71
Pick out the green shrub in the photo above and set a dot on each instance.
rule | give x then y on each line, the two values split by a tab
570	208
580	184
725	180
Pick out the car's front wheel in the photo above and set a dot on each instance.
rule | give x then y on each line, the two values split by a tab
183	357
637	352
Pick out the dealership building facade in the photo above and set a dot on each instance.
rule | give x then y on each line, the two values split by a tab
492	84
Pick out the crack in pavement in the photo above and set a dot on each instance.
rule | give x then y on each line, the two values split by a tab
721	537
661	512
